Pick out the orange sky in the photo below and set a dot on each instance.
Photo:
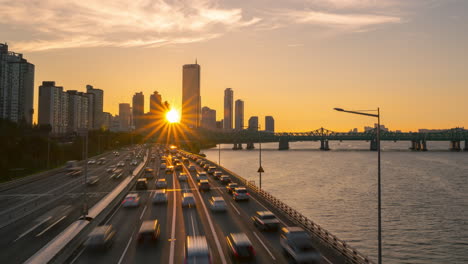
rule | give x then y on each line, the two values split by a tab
295	61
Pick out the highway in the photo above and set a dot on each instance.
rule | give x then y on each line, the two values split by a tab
177	222
54	201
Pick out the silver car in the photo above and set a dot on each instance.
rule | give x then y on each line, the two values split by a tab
160	196
161	184
131	200
101	237
217	204
240	194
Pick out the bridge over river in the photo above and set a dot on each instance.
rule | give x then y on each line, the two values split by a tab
418	141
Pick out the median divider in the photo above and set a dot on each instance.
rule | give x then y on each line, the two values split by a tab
62	247
326	238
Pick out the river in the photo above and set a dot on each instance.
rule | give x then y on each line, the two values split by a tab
424	194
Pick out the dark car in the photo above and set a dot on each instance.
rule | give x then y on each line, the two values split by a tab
204	185
141	184
240	246
225	179
231	186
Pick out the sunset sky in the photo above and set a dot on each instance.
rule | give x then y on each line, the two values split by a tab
293	59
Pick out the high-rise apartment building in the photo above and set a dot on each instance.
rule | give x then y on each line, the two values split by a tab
97	106
239	114
191	100
157	110
228	108
253	123
138	110
124	117
53	107
16	87
269	124
208	118
77	111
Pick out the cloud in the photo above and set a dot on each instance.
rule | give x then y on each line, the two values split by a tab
89	23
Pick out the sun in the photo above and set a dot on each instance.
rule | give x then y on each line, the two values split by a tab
173	116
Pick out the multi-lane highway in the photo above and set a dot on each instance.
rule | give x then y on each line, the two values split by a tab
178	222
36	212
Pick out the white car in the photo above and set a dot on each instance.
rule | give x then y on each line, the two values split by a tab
91	162
121	164
188	200
131	200
192	168
161	184
217	204
183	177
160	196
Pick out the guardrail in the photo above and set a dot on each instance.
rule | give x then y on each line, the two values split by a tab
328	239
62	247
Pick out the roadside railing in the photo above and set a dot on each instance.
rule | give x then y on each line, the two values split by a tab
325	237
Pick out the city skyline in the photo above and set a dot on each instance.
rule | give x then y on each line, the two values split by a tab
334	53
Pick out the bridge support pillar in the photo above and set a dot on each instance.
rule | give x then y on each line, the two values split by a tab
239	146
455	145
324	144
250	145
235	147
466	145
283	144
415	145
373	144
423	145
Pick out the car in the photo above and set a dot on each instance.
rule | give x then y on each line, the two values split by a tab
101	161
131	200
91	162
203	185
240	246
231	186
178	167
149	173
202	176
141	184
211	169
161	184
116	154
110	169
101	237
240	194
91	180
162	166
121	164
217	204
297	245
134	163
160	196
169	169
117	174
183	177
265	220
225	179
206	166
218	174
197	250
149	231
185	161
192	168
188	200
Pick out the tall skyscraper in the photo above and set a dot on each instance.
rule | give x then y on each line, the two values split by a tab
191	100
138	110
253	123
157	110
208	118
269	124
124	117
239	114
16	87
155	103
97	107
53	107
228	108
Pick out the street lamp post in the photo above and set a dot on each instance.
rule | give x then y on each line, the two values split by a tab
379	188
84	133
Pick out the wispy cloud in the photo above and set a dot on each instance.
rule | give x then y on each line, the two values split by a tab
90	23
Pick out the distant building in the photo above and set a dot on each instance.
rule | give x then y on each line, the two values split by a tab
269	124
124	117
253	123
53	107
96	106
115	124
219	124
208	118
16	87
107	120
138	110
382	128
191	100
228	108
239	114
77	111
157	109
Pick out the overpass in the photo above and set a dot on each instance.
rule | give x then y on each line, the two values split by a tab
26	238
418	141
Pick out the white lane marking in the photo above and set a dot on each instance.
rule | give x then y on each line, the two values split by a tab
193	226
110	218
327	260
126	248
218	245
32	228
52	225
235	208
268	210
78	255
174	211
263	244
142	213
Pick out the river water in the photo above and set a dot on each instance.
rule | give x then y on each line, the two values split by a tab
424	194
